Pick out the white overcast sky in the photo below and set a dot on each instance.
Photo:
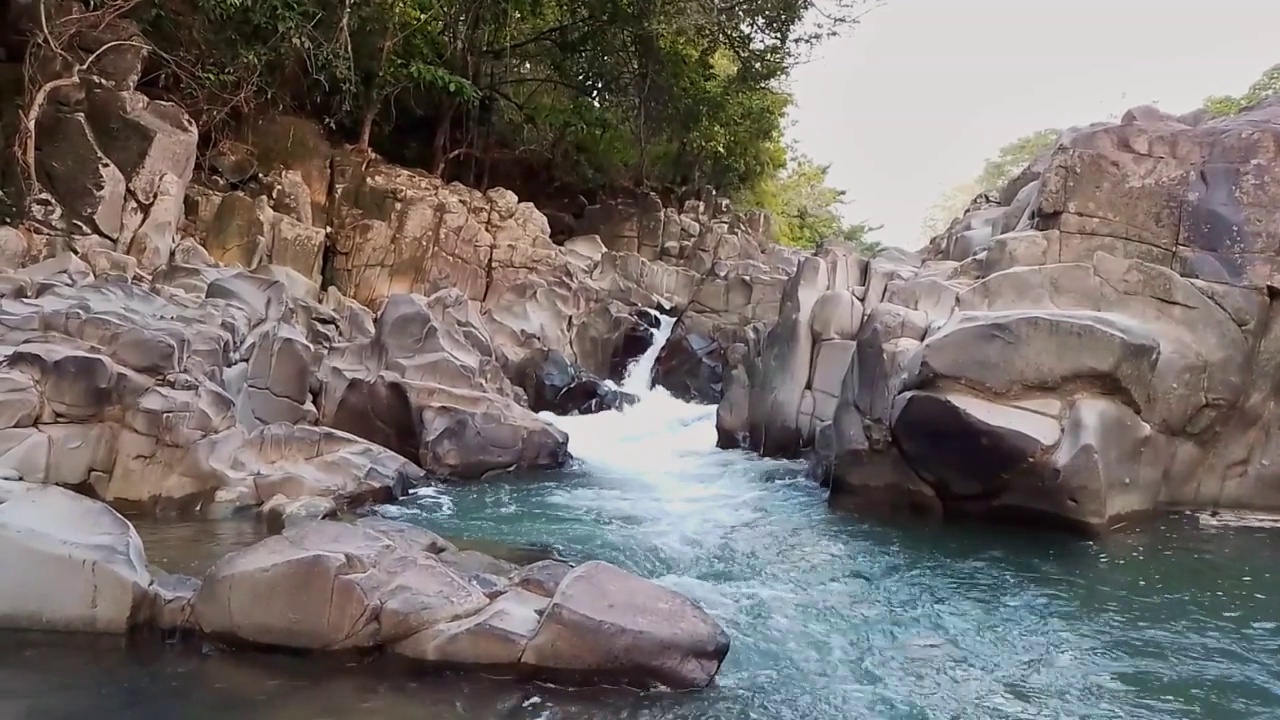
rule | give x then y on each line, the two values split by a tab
912	101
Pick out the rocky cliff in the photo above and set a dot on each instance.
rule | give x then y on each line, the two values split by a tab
285	324
1095	344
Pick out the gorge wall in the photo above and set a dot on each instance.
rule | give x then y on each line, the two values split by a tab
287	326
1095	346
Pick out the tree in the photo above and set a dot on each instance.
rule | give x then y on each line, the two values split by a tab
583	96
805	209
1008	161
1264	87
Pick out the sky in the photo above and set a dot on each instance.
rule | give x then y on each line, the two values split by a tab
911	101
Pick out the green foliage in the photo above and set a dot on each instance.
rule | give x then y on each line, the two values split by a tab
590	94
1264	87
805	209
1013	157
1008	161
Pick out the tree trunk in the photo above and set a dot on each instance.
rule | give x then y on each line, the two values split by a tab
439	143
366	125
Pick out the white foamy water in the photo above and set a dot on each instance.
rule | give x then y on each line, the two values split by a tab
655	466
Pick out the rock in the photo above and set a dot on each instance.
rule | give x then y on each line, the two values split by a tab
468	445
171	597
380	584
469	562
70	563
775	423
496	637
608	624
281	512
542	578
116	166
429	386
634	341
1086	347
691	367
348	587
554	385
298	461
733	414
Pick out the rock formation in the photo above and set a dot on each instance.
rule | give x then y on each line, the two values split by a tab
326	586
1093	345
303	329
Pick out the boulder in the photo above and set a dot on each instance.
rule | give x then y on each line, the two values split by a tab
555	385
608	624
347	586
378	583
691	367
69	563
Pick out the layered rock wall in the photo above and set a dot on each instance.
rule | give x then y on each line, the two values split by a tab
306	330
1090	345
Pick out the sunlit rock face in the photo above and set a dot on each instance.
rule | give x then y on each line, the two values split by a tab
1095	346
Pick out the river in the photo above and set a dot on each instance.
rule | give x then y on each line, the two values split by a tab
831	617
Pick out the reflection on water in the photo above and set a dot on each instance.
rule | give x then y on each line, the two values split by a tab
191	547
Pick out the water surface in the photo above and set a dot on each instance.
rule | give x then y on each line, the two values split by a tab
830	617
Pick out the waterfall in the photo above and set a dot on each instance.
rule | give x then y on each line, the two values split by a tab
639	378
646	435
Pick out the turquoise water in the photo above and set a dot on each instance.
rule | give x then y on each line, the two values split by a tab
835	618
831	617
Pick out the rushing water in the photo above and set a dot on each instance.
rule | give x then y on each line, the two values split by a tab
830	617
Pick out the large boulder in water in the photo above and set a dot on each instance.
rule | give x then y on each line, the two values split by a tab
332	586
609	624
691	367
68	563
553	384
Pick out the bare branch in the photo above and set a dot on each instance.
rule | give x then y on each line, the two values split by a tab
54	40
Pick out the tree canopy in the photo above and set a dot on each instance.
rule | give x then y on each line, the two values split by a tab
566	95
1008	161
805	209
1264	87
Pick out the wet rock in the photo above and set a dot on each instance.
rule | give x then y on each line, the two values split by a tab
281	512
347	587
553	384
495	637
691	367
638	337
332	586
608	624
542	578
467	562
171	597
